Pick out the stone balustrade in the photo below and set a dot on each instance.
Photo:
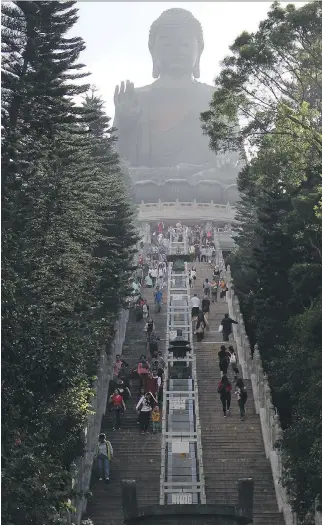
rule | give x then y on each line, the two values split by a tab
195	211
271	429
252	369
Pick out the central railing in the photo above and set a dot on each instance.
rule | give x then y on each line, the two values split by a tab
182	479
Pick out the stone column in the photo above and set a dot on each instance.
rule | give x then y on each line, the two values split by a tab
129	499
246	494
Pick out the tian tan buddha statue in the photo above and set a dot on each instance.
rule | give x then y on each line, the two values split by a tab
159	128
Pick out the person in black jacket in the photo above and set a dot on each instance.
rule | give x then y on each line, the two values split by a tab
227	323
205	306
223	357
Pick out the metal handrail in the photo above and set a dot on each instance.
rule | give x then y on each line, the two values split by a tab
183	397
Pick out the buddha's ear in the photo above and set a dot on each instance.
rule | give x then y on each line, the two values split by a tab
156	68
196	68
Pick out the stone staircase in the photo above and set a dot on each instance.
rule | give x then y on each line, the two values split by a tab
135	457
232	449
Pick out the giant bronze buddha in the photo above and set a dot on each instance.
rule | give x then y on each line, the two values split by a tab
159	129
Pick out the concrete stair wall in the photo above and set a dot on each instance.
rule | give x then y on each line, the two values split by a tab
232	449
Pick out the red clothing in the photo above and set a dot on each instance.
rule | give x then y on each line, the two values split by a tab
152	385
143	370
227	389
117	400
160	227
117	367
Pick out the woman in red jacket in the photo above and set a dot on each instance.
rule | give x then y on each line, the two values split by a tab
224	389
117	408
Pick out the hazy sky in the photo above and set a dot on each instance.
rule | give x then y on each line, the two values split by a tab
116	36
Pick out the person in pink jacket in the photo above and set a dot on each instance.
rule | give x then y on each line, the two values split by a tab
143	371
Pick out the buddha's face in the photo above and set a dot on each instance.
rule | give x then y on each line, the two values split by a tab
175	50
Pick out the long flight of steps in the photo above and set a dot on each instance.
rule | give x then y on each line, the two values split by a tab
135	457
231	448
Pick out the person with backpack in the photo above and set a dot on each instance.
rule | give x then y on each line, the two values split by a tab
233	362
104	457
205	307
122	386
143	371
224	390
241	393
158	299
138	309
153	383
145	310
206	287
214	291
200	327
153	344
224	290
149	327
223	360
144	408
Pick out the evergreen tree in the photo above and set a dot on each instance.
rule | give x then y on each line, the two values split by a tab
272	82
67	257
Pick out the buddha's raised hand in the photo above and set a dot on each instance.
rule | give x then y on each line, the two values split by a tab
125	100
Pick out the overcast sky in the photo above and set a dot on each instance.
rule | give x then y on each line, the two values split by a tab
116	36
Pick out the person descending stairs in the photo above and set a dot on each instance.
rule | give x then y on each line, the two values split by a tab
232	448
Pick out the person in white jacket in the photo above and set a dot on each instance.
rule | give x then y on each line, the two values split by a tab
144	407
104	457
195	304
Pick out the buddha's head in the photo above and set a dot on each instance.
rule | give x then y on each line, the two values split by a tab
176	44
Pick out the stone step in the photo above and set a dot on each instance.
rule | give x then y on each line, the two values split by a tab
231	449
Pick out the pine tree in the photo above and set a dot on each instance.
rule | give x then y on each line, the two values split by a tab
272	83
68	243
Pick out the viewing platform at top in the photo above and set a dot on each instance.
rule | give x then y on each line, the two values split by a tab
190	212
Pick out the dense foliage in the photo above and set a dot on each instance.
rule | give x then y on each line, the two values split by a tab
271	84
67	239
